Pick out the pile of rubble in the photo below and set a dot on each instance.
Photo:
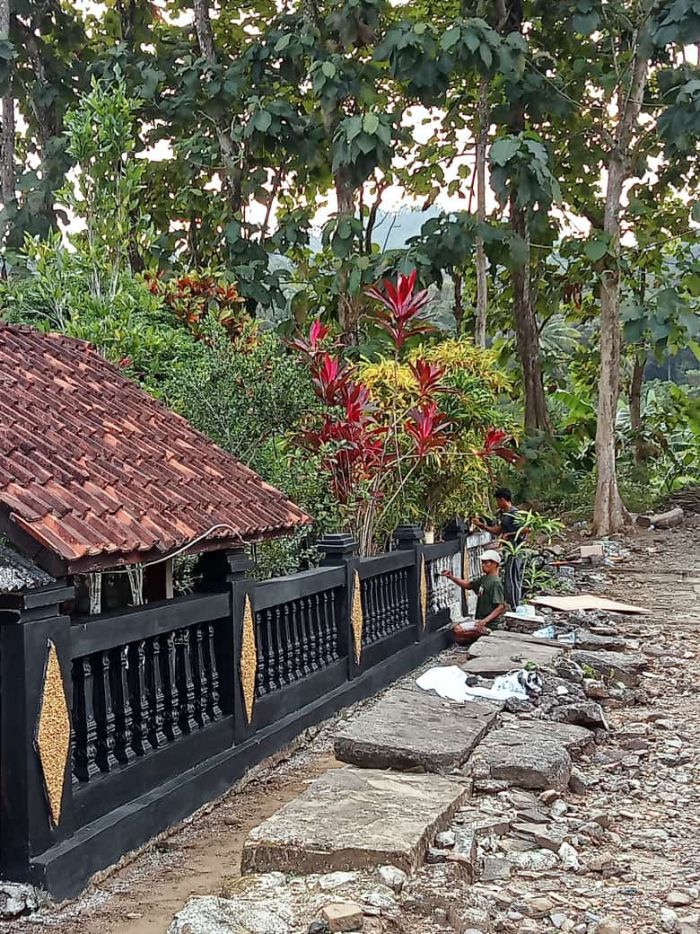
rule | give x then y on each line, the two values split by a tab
489	819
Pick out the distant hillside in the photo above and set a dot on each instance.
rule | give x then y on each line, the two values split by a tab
394	228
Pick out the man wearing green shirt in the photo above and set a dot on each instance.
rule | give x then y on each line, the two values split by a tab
491	598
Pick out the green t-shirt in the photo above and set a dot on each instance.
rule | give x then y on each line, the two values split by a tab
490	594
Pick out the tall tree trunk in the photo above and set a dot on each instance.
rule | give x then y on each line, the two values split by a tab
458	306
610	514
349	306
527	335
640	362
231	163
480	260
7	130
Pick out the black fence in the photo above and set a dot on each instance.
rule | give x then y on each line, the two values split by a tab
116	727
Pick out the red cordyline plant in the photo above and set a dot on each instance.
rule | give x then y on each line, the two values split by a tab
497	443
370	451
400	308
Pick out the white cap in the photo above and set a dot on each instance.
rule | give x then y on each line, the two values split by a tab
490	555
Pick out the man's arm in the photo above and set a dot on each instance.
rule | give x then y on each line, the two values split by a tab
459	581
494	615
492	529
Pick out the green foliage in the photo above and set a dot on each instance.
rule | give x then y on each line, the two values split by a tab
521	164
454	481
251	396
131	328
107	191
246	394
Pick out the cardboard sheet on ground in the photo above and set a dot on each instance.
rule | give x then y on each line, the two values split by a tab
588	601
450	682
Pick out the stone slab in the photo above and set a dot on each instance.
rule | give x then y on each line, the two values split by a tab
352	819
501	652
410	729
613	666
591	641
529	754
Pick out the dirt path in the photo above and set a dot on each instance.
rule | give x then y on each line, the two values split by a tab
653	845
142	896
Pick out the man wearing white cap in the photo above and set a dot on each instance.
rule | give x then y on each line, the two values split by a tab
491	598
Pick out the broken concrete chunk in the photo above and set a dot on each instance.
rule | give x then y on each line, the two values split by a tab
568	857
540	764
343	916
392	877
211	915
534	861
18	899
502	651
529	754
588	714
495	869
352	819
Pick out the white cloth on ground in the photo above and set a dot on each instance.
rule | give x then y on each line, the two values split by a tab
450	682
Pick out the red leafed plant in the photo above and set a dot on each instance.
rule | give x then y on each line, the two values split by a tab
401	307
429	429
497	443
427	377
370	450
195	297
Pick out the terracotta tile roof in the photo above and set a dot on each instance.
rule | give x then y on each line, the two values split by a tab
98	472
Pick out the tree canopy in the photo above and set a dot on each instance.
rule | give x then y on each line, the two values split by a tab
255	146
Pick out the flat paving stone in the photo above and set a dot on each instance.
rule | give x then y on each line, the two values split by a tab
529	754
411	728
503	651
352	819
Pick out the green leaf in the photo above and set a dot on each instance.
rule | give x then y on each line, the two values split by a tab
370	123
262	121
695	212
596	249
329	69
504	149
232	231
450	38
353	128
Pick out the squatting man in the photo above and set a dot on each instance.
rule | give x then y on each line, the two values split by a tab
491	598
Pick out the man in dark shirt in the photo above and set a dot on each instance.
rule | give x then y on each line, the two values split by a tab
491	601
507	527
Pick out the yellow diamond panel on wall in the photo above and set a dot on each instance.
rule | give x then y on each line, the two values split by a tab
424	591
52	738
249	659
356	617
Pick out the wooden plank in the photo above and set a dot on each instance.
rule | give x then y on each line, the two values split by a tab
588	601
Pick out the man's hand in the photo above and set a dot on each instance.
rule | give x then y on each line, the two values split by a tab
448	574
